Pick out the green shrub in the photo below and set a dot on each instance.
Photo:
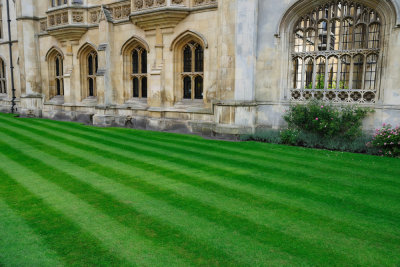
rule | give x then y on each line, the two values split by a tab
387	141
321	125
290	137
326	120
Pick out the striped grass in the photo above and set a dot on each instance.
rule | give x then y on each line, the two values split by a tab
147	198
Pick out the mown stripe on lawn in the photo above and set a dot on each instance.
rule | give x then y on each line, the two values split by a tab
332	178
307	206
119	239
181	188
73	178
20	245
342	214
278	183
243	248
59	233
307	179
346	161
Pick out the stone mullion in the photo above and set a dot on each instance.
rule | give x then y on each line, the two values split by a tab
338	75
326	72
303	73
139	72
192	74
351	72
314	72
364	69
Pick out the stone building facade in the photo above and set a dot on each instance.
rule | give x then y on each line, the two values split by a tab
203	66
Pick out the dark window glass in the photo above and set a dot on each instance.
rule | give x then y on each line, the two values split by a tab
135	62
58	87
345	64
57	66
96	62
371	72
199	66
144	87
309	64
91	87
198	87
187	87
90	64
144	61
135	87
187	59
358	72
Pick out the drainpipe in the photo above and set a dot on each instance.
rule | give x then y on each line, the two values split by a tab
11	58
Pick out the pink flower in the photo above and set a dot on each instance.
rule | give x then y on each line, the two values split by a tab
316	119
322	106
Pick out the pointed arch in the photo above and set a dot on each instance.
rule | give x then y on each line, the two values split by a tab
54	50
189	35
189	48
85	48
390	9
88	62
134	56
134	41
55	64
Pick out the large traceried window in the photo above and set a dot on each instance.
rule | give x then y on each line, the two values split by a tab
336	53
193	71
3	83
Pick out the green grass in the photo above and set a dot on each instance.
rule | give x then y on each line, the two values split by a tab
73	195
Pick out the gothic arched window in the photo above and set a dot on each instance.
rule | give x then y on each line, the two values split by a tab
336	53
193	71
59	77
139	72
92	66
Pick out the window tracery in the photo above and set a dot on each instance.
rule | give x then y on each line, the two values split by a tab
139	72
59	75
336	53
92	66
193	71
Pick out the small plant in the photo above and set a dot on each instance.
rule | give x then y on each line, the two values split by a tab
290	137
387	140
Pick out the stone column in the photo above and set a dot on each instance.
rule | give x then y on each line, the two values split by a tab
69	94
104	82
246	45
29	64
103	79
155	82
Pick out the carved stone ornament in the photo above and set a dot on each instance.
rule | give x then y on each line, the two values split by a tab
139	4
149	3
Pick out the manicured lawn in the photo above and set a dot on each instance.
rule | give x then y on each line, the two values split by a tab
83	196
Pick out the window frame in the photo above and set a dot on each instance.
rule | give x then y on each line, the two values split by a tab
357	19
194	73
